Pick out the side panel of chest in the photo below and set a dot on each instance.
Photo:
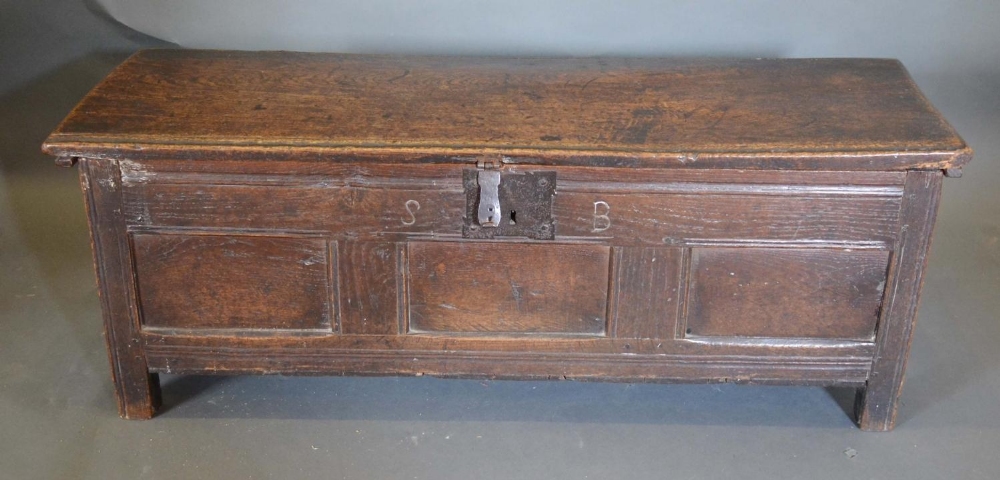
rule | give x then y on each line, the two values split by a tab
763	275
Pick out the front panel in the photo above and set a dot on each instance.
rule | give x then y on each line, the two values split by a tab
778	275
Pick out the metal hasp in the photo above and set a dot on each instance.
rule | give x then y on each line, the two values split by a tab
489	198
506	204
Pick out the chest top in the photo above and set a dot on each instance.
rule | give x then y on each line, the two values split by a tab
801	114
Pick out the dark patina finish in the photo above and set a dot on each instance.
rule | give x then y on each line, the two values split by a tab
753	221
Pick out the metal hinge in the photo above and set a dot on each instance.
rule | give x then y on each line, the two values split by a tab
489	162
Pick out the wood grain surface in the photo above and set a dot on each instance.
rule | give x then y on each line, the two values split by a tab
878	403
622	213
750	221
137	391
761	292
477	287
823	114
646	292
229	281
368	287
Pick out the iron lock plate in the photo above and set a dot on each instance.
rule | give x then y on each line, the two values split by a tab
505	204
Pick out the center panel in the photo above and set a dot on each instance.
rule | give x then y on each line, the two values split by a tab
497	288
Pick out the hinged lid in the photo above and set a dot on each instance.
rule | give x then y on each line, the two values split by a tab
804	114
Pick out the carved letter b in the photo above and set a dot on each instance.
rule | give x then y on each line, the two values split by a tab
602	221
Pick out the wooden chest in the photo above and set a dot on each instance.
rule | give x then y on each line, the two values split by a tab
754	221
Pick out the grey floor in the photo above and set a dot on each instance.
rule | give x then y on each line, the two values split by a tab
58	419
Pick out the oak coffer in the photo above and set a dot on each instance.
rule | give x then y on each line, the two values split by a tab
752	221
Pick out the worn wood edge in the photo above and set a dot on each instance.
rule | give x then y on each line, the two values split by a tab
98	256
400	273
209	231
333	284
579	346
237	332
70	146
490	335
560	239
66	161
445	184
447	176
126	250
133	175
683	294
766	243
777	342
614	291
702	188
677	368
89	184
62	145
266	352
879	415
963	155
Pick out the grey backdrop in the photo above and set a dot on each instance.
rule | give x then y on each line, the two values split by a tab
929	36
57	416
951	47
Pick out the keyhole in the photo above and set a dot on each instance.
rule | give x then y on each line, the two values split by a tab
513	217
491	216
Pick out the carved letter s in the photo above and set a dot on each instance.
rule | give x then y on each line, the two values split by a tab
411	207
